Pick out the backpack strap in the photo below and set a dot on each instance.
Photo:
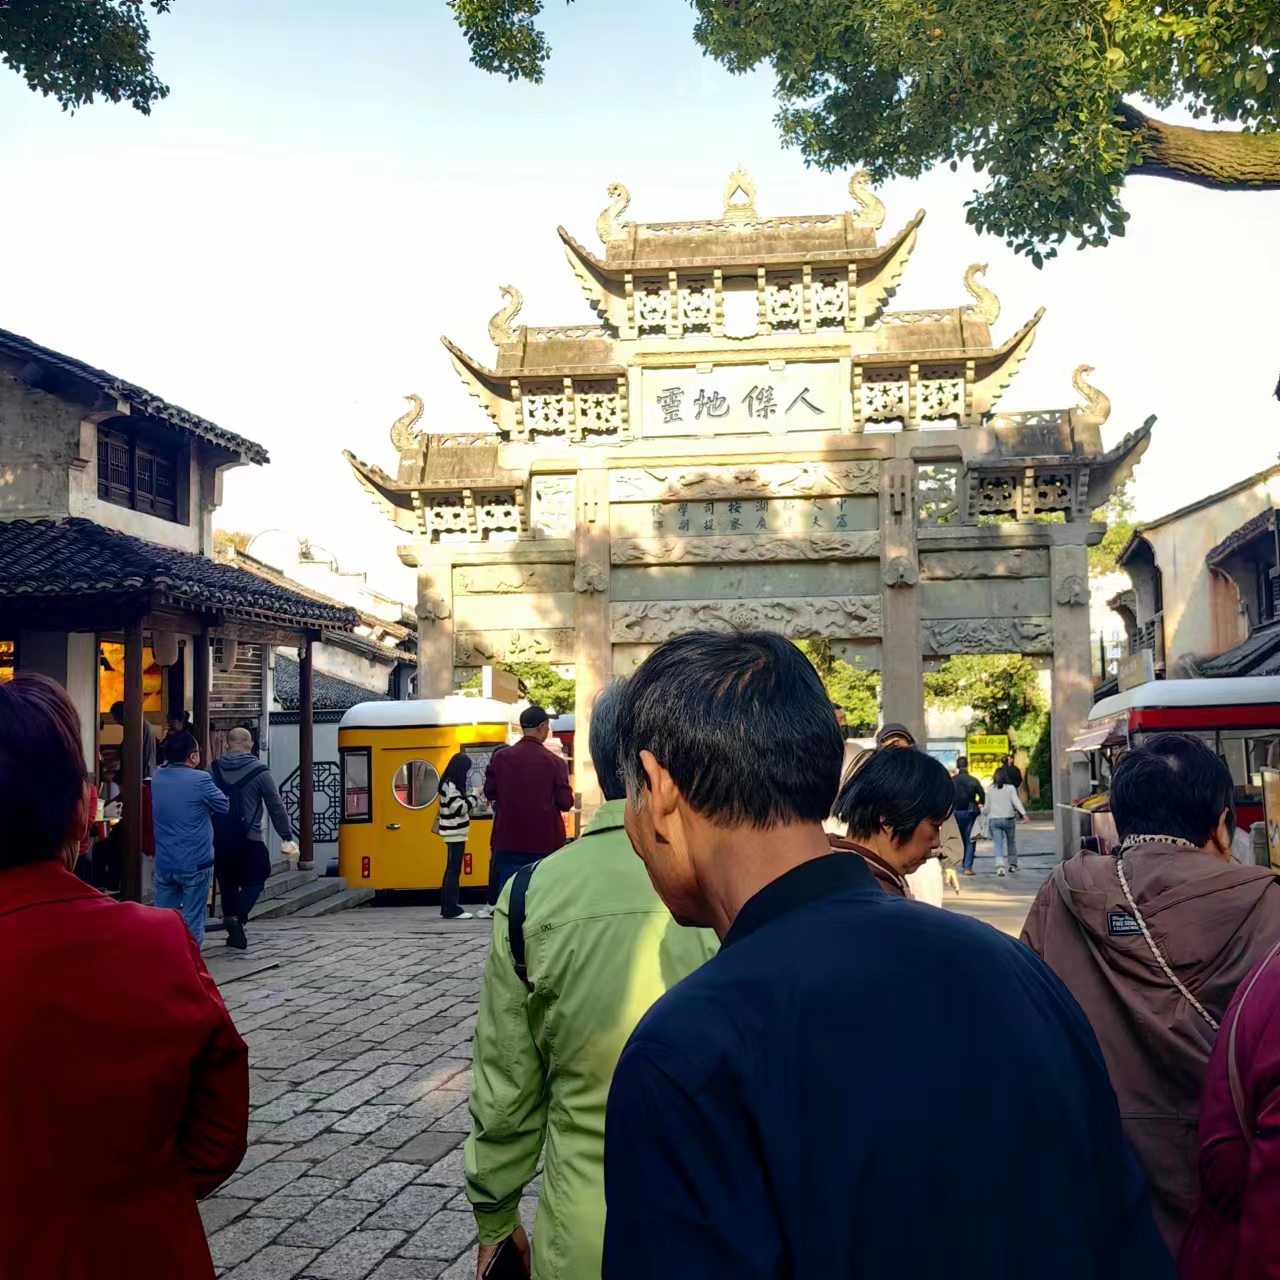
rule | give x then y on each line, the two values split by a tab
515	920
1233	1069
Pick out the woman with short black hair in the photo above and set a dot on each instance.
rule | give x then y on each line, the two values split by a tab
1154	942
893	809
124	1088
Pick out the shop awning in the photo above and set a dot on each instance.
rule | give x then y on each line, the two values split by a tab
1094	739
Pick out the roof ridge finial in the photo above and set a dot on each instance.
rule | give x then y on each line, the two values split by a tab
500	330
403	435
609	225
988	305
1097	407
741	183
871	211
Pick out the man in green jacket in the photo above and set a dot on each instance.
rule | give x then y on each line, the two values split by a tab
600	947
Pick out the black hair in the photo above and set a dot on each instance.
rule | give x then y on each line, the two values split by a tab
604	741
1001	777
1172	785
962	764
896	789
42	774
178	746
457	771
117	712
740	721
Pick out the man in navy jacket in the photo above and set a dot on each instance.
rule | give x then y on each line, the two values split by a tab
779	1112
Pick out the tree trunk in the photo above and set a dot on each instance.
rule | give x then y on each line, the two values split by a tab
1208	157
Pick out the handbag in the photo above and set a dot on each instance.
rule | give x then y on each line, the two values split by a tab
981	829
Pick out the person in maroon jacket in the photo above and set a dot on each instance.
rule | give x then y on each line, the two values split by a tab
1235	1230
124	1088
528	787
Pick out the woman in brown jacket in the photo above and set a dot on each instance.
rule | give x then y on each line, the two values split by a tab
1153	944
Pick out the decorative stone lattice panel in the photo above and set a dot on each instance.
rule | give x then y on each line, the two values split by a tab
697	306
1051	491
884	401
546	409
784	301
600	409
994	494
830	294
941	398
938	493
447	514
498	513
653	306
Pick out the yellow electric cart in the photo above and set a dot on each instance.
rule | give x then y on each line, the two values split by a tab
393	754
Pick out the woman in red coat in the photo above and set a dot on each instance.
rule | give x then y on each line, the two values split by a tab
1235	1231
124	1088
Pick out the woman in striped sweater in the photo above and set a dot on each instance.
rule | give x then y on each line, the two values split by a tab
457	805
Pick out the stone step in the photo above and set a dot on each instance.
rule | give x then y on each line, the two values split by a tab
342	901
280	865
290	903
286	882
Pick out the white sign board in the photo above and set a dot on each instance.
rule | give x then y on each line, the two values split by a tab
743	399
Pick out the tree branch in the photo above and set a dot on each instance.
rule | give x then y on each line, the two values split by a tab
1207	157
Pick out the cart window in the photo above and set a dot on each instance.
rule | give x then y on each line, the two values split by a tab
416	783
355	785
480	753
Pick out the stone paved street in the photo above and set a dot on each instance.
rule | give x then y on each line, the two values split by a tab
359	1028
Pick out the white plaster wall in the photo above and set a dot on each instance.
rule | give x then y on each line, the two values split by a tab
368	673
1180	548
284	760
82	687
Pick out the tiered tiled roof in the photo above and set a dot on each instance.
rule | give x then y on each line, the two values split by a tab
74	560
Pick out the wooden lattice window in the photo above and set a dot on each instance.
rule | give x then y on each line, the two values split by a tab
136	473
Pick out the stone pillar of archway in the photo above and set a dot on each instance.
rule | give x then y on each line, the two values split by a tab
902	697
435	620
593	645
1072	686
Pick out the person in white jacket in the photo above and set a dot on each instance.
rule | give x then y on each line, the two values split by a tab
1004	808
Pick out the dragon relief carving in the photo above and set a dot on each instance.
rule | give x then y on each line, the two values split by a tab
403	435
736	548
609	225
782	480
830	617
500	330
986	635
988	305
1096	407
871	211
590	578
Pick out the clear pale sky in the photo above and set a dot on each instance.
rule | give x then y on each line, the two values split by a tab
332	185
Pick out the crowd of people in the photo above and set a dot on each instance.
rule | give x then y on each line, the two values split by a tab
752	1050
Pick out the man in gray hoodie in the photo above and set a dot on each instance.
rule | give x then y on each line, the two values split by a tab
241	860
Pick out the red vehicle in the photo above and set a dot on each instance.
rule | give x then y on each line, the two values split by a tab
1239	718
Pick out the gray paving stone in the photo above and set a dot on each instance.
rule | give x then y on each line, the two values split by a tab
398	1131
411	1209
242	1239
260	1153
345	1165
449	1172
284	1204
409	1269
305	1127
371	1086
326	1145
332	1081
382	1181
427	1148
285	1107
261	1094
368	1118
276	1262
353	1257
328	1222
445	1235
436	1103
267	1179
217	1211
456	1121
463	1269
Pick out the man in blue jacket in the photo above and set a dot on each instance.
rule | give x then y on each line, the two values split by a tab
182	798
765	1117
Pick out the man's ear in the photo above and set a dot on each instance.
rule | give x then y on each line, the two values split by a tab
664	796
1220	838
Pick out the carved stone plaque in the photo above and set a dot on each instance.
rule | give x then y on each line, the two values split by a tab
730	550
743	399
830	617
1013	563
476	648
729	516
551	513
511	579
782	480
942	637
